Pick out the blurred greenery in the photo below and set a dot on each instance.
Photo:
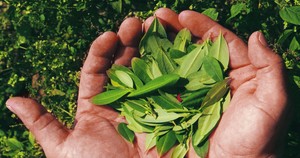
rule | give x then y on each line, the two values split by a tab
43	45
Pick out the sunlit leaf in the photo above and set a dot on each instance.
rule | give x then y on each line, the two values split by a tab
159	82
216	92
219	50
180	151
291	14
162	117
207	122
195	99
126	132
15	144
110	96
141	69
226	102
213	68
183	38
212	13
235	10
202	148
165	142
187	124
165	103
124	78
192	62
150	141
133	124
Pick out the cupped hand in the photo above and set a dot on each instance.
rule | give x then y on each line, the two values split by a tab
254	124
94	133
251	127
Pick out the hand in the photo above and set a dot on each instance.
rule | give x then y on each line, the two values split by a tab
94	134
254	124
248	128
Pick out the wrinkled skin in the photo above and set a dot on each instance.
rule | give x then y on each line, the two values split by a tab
253	126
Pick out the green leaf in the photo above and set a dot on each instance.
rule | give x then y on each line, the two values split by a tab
213	68
141	69
139	106
199	80
117	5
207	122
162	117
133	124
192	62
15	144
177	56
115	81
285	35
168	96
110	96
124	78
137	82
235	10
183	38
150	141
126	132
202	148
165	63
154	40
291	14
31	138
187	124
216	92
155	69
180	151
165	142
212	13
219	50
294	45
160	82
162	130
195	99
165	103
226	102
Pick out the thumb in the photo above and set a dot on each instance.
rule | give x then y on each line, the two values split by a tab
260	54
47	130
270	80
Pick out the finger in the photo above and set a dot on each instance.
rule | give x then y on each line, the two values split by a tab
93	74
125	54
170	18
271	86
147	23
203	27
130	34
48	132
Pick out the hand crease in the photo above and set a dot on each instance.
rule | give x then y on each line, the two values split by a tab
264	111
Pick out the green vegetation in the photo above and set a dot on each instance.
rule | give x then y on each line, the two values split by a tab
43	45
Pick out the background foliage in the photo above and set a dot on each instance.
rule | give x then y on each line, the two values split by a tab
43	44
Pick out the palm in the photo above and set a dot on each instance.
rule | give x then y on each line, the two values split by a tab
250	125
93	136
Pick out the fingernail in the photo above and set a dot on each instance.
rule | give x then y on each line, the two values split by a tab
262	39
9	105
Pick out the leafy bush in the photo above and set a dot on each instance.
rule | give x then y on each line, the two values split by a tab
43	45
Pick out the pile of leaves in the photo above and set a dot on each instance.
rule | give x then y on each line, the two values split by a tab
175	92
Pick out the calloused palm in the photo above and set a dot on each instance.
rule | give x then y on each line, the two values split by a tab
249	128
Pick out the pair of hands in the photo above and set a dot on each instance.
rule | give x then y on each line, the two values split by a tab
253	125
